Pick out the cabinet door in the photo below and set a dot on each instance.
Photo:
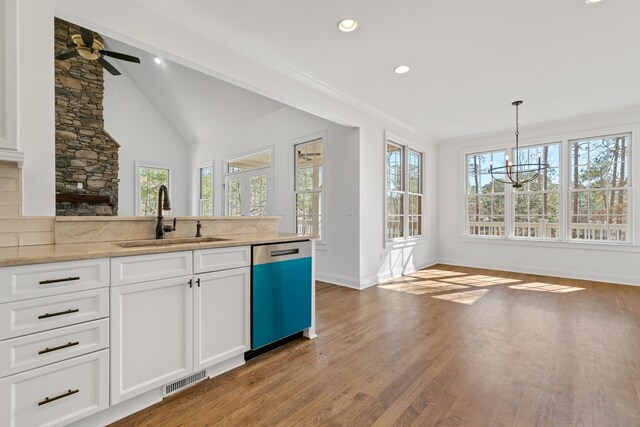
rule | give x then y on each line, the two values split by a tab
151	335
221	316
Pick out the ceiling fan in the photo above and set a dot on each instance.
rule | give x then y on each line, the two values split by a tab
89	47
308	156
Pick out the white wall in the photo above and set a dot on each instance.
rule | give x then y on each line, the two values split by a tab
144	135
36	121
337	261
612	263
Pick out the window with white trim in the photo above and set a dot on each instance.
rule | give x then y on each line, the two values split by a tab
248	184
205	189
149	179
309	187
600	188
485	204
404	192
537	205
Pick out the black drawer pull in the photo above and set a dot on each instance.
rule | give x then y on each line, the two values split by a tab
198	282
53	399
60	313
285	252
66	279
60	347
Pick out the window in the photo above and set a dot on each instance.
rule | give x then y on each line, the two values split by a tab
247	184
485	196
404	199
148	181
537	204
600	188
308	186
205	205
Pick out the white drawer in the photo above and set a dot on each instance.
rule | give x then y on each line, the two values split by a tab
35	350
41	280
56	394
207	260
144	268
40	314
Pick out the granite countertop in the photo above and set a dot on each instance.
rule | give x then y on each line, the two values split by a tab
22	255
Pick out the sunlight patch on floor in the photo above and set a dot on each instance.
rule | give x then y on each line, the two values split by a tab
422	287
468	297
546	287
480	280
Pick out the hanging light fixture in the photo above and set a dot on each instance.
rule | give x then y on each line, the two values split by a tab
517	174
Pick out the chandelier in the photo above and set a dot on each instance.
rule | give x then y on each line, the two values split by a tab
517	174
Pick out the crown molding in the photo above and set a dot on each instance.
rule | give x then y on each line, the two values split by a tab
177	14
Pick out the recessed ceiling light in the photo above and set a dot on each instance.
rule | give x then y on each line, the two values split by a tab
347	25
401	69
157	60
592	1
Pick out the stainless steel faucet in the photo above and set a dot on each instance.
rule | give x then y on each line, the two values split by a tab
163	204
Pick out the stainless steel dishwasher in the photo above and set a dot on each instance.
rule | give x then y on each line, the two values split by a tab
280	291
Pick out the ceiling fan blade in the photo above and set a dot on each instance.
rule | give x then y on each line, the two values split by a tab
121	56
110	68
87	36
67	55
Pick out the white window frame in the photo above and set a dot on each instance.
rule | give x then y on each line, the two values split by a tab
152	165
267	169
507	194
630	189
322	135
392	139
633	244
562	222
201	166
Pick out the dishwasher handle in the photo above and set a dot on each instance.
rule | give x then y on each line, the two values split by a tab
283	252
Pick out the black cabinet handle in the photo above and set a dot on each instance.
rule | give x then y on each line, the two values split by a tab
66	279
191	283
53	399
198	282
59	313
60	347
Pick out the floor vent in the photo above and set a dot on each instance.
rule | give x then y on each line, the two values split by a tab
184	382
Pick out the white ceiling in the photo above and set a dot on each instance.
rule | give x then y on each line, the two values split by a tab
197	105
469	59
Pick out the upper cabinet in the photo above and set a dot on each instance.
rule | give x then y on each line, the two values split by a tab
8	78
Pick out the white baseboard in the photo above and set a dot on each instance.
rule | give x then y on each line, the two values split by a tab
347	282
543	271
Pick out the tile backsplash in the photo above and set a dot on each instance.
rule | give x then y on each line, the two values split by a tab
16	230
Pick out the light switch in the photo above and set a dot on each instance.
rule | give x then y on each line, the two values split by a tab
349	210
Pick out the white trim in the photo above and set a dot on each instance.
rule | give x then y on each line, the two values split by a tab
293	143
226	160
136	171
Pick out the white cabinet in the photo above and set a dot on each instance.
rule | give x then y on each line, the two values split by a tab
206	260
164	330
221	316
56	394
151	335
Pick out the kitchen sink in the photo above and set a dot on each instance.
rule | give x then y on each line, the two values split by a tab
166	242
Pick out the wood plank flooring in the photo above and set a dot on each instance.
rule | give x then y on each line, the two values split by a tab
443	346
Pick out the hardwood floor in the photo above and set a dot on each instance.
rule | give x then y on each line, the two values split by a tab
443	346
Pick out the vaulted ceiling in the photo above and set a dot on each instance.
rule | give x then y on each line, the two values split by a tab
468	59
197	105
